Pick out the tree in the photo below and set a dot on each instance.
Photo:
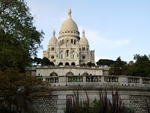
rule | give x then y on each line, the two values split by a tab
141	67
17	89
45	61
36	61
118	68
90	64
105	62
19	38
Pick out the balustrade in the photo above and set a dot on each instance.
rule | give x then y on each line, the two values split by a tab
105	79
110	79
146	81
133	80
75	79
93	79
52	79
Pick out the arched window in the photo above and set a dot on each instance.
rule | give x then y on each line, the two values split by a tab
75	42
60	63
66	64
69	74
53	78
53	74
52	49
73	64
67	53
72	41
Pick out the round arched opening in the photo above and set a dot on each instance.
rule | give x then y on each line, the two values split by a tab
60	63
69	74
66	64
85	74
53	74
73	64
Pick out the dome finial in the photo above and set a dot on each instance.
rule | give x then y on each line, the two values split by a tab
69	13
54	32
83	32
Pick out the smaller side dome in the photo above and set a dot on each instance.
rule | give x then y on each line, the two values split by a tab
83	41
53	40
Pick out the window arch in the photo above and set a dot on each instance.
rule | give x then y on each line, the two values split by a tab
67	53
85	74
53	74
73	64
69	74
66	64
60	63
75	42
53	78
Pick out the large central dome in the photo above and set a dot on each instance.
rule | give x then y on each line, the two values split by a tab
69	27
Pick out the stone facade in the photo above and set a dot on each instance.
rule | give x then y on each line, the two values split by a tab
68	53
132	96
69	48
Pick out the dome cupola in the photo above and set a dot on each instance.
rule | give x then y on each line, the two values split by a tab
69	27
53	40
83	41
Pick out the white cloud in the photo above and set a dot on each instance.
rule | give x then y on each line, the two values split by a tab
97	41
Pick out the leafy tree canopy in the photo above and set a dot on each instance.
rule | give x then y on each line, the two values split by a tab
45	61
36	60
118	68
19	38
141	67
104	62
90	64
17	89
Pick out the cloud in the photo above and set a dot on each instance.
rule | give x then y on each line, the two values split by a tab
97	41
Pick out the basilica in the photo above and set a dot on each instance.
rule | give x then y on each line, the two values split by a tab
70	52
69	48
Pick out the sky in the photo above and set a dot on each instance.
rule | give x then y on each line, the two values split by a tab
113	27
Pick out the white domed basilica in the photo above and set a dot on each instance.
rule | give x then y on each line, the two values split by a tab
69	77
69	48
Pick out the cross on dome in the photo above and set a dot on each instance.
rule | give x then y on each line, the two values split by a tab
83	32
54	32
69	13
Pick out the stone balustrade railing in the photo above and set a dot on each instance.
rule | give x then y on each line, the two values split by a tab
97	80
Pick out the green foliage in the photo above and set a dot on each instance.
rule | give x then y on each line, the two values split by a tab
118	68
90	64
105	62
17	89
19	39
103	105
141	67
36	61
45	62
